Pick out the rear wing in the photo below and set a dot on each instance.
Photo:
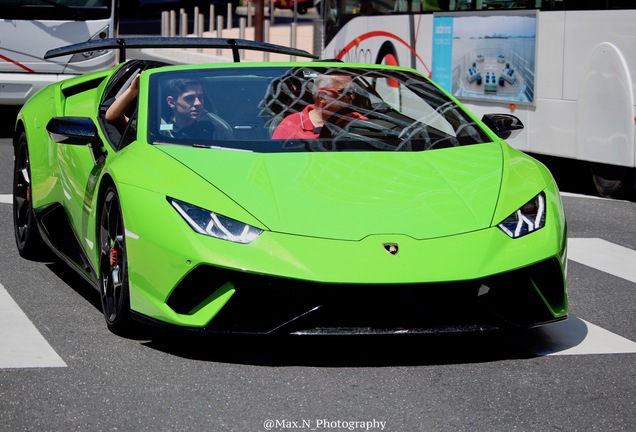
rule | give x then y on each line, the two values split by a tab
175	42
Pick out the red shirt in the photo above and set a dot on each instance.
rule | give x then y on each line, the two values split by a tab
297	125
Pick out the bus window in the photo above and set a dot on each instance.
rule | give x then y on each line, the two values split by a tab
436	5
52	24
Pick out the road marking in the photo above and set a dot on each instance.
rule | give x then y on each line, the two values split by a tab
21	344
576	195
604	256
574	337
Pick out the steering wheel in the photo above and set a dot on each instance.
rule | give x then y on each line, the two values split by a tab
223	130
336	123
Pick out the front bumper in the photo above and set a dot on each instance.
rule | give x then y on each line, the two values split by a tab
292	284
526	297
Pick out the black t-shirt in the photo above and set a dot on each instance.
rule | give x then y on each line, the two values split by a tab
199	130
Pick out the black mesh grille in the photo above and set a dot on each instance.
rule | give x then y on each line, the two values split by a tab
263	304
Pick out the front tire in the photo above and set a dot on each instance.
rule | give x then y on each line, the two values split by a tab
113	265
27	235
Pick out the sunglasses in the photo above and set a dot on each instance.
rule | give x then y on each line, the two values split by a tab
344	93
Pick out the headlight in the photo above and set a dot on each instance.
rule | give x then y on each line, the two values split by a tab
529	218
215	225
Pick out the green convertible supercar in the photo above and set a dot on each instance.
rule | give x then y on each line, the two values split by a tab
307	197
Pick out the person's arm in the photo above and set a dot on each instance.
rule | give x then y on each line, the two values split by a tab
116	113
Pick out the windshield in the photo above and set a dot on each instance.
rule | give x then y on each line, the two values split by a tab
283	109
60	10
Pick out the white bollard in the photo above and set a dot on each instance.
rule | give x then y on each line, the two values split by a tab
165	24
173	23
196	20
201	25
219	31
183	25
242	22
229	16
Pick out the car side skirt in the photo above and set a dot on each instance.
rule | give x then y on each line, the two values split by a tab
57	232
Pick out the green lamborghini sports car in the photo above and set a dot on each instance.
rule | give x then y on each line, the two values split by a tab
308	197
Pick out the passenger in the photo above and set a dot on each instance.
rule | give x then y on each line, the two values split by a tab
331	94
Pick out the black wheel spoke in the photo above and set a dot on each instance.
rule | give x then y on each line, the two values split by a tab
27	236
113	264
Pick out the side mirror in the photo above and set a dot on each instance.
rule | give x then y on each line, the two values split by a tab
505	126
77	131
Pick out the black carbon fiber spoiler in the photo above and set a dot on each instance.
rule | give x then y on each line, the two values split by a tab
175	42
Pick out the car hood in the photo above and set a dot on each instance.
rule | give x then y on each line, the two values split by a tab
351	195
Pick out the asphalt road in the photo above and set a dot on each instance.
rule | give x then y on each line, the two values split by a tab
579	376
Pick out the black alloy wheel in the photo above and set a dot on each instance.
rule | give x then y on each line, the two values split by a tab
27	235
113	265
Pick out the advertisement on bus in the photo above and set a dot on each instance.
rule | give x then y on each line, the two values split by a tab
486	57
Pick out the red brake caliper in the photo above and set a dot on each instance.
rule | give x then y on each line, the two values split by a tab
28	193
114	258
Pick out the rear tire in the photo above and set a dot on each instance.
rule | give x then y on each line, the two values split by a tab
27	235
113	265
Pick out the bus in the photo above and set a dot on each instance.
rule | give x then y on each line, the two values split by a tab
565	68
29	28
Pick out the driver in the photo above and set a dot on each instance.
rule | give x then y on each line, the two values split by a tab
186	101
331	94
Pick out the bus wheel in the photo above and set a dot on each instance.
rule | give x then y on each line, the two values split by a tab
612	181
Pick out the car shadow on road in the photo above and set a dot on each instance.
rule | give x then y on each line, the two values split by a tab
317	351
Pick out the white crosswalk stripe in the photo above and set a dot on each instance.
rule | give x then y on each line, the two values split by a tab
21	344
574	337
605	256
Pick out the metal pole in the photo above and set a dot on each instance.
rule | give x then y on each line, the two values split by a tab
242	22
319	36
265	39
293	38
259	17
271	11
